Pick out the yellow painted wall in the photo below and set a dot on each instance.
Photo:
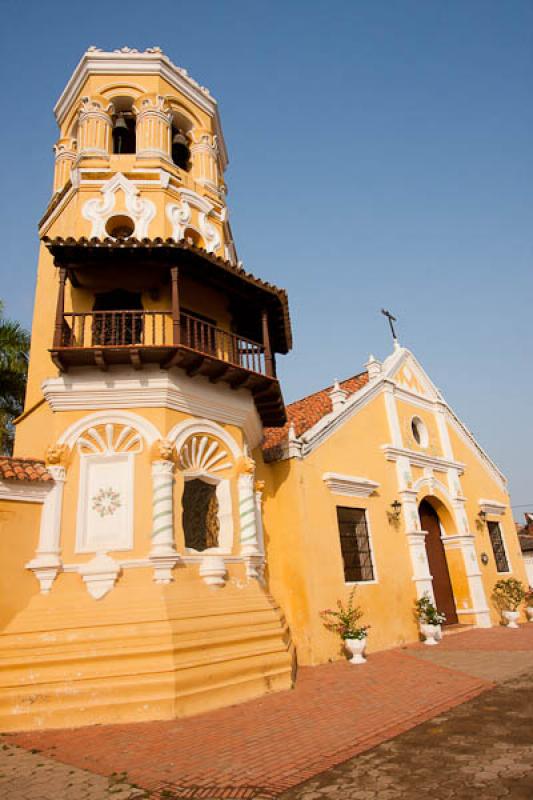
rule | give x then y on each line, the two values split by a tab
19	533
304	555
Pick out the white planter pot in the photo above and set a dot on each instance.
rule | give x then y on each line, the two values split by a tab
529	612
356	647
430	633
511	617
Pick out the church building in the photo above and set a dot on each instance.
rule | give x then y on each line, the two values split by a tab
170	530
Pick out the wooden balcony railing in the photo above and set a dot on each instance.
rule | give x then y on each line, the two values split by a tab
154	329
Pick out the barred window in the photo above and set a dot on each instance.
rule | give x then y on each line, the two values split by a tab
355	544
502	565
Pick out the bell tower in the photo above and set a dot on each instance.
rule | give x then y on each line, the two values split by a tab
152	375
138	265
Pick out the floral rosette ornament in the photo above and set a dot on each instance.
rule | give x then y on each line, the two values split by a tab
106	502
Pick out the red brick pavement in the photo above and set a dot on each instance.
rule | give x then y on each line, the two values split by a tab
335	712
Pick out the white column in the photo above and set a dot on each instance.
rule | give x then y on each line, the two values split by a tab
419	560
392	414
480	610
248	525
47	561
259	488
163	553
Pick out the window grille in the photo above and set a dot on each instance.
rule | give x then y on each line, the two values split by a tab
355	544
496	540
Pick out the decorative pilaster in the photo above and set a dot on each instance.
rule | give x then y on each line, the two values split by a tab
65	156
419	560
95	127
154	127
47	561
248	519
204	156
466	543
163	553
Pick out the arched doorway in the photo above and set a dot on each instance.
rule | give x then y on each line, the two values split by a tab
438	566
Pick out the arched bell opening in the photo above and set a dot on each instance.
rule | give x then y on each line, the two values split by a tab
124	124
180	141
437	560
200	515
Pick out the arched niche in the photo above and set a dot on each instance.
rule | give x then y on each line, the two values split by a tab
206	453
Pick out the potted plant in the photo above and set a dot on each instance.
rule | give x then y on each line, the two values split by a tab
344	621
508	594
528	602
429	619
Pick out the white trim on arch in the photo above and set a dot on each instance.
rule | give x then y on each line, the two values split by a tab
143	426
181	432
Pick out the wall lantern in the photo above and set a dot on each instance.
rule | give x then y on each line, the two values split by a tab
394	515
484	559
480	520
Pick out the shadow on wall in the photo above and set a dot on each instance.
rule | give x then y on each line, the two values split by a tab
19	535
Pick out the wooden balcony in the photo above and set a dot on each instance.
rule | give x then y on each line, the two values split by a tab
106	338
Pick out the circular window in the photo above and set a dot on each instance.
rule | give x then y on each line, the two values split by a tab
120	226
420	432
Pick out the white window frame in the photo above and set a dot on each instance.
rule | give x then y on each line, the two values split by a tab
365	511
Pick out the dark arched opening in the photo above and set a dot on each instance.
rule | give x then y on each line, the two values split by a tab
181	154
200	515
438	565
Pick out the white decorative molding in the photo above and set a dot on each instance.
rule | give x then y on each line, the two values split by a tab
181	432
71	435
99	575
105	503
493	507
24	491
421	459
126	440
139	208
200	454
349	485
106	491
213	570
179	216
131	62
119	389
47	562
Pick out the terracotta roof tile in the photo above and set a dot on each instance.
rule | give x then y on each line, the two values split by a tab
23	469
305	413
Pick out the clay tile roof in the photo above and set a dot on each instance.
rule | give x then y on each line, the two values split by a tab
305	413
23	469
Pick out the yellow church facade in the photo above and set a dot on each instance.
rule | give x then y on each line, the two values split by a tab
170	531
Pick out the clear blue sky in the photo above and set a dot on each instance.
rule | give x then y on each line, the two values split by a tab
381	155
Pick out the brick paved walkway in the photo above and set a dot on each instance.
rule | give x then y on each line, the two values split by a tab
260	748
481	749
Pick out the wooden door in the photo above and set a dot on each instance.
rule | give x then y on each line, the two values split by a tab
438	566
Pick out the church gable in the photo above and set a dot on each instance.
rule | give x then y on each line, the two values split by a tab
408	375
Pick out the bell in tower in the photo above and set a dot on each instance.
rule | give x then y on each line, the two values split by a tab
180	149
124	134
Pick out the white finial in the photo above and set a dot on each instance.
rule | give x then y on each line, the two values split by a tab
373	367
337	396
